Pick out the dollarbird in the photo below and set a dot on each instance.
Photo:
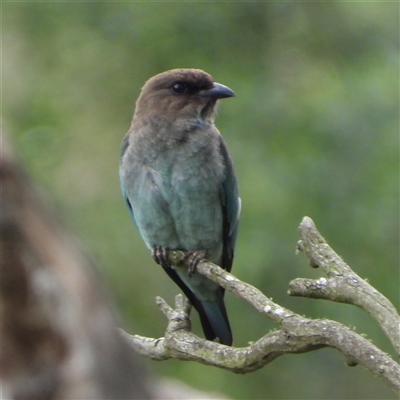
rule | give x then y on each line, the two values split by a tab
180	187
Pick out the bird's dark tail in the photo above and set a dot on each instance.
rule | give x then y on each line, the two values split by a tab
213	316
214	320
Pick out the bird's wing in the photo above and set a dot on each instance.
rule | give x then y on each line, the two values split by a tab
126	198
124	147
231	208
144	193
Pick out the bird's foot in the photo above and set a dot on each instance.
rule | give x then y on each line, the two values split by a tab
160	256
193	257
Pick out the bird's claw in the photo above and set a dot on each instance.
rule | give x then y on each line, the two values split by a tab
193	258
160	256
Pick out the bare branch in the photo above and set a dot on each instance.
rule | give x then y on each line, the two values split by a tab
298	335
343	285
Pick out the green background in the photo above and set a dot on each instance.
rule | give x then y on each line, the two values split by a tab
313	130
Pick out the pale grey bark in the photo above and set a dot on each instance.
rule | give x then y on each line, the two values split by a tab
297	334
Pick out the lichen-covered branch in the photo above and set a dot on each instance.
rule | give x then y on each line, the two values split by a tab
343	285
297	334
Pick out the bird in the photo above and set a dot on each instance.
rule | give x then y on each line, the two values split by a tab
180	186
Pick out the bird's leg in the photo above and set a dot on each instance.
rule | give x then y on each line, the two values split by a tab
193	257
160	256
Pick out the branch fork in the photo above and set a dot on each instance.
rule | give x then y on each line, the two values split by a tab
297	333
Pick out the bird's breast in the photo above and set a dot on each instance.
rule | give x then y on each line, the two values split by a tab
193	173
185	179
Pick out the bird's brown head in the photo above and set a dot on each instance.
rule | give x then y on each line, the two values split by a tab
180	94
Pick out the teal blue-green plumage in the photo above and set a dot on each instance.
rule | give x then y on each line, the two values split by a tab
179	183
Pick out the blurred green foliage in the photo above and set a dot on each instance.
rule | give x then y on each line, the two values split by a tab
313	131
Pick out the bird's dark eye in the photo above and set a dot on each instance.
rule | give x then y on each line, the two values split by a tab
178	88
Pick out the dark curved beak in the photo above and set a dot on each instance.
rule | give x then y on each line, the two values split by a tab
218	91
